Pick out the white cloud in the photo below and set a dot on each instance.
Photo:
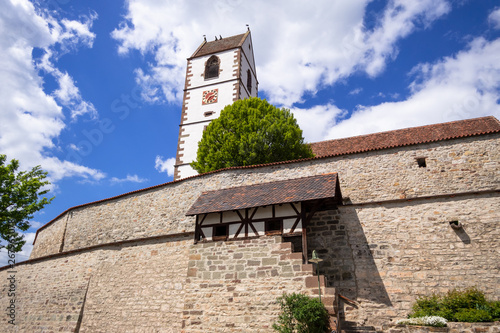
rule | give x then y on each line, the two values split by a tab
69	95
23	255
298	50
356	91
31	119
165	165
463	86
494	18
128	179
317	121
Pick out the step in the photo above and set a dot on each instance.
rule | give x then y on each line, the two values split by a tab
355	329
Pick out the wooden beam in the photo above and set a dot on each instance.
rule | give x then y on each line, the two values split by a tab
196	230
304	234
295	224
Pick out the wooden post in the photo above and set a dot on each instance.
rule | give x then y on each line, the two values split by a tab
304	233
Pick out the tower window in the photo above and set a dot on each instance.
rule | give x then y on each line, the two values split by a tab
212	67
249	81
421	162
208	113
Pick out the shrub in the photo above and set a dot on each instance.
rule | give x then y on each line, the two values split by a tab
473	315
469	305
301	314
495	310
463	299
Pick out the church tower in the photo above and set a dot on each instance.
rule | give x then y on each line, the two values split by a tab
218	73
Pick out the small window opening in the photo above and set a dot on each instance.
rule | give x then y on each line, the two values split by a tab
421	162
249	81
274	227
208	113
212	68
220	232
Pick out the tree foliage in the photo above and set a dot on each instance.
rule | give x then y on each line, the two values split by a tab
249	132
19	199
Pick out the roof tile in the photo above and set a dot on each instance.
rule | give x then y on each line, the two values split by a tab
220	45
407	136
286	191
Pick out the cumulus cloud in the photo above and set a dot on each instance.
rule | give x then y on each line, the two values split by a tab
31	119
23	255
462	86
298	49
494	18
69	95
165	165
316	122
128	179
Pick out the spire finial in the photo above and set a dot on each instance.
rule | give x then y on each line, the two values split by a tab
248	27
205	38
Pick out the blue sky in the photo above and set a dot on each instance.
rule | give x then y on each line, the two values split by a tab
91	90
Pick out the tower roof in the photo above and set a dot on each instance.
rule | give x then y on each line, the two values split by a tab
220	45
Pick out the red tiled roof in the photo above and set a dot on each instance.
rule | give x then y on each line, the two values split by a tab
407	136
220	45
293	190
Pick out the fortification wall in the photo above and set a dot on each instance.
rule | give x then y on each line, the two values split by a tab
138	286
469	164
159	285
232	286
386	255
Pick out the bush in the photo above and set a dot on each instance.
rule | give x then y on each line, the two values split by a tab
469	305
495	310
463	299
301	314
473	315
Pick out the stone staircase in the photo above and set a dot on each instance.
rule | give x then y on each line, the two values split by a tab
328	295
352	327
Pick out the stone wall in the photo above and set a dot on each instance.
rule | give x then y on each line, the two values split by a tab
165	284
130	287
452	328
391	242
462	165
385	255
232	286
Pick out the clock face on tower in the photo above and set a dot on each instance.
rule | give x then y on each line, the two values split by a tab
210	96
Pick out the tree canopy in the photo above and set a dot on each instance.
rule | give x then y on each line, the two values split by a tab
20	198
249	132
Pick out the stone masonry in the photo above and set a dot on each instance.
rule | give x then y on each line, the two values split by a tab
455	166
129	263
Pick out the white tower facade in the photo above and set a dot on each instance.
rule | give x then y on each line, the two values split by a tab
218	73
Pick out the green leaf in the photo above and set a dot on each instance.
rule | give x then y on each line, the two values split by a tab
21	196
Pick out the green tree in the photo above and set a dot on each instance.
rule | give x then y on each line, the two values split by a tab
19	200
249	132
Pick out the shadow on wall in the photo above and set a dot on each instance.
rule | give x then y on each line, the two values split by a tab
348	264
